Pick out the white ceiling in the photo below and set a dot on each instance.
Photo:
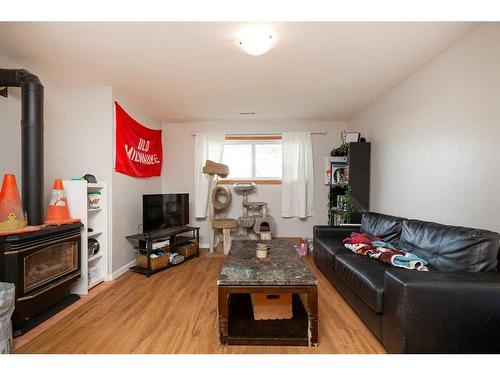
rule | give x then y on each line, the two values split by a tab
195	71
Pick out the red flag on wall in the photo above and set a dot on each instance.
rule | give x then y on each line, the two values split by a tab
138	149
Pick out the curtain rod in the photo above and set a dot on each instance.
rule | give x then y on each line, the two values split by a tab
261	133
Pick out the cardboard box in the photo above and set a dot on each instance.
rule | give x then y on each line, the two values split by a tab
272	306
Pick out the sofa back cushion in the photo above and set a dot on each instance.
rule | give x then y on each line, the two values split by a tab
387	227
451	248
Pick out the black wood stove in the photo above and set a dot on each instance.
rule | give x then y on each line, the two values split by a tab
41	264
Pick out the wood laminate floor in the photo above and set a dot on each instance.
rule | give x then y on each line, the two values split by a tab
175	311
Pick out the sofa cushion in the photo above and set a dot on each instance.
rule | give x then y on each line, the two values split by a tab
365	276
325	261
451	248
333	245
387	227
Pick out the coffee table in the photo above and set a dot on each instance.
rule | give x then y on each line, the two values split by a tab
281	272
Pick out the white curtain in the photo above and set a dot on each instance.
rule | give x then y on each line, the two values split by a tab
297	191
207	146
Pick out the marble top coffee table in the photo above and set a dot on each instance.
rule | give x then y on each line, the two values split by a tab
281	272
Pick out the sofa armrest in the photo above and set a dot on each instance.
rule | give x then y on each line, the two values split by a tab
327	231
441	312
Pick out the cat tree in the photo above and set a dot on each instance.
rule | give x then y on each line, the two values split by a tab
255	221
214	171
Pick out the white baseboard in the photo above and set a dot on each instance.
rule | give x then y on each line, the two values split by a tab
204	245
122	270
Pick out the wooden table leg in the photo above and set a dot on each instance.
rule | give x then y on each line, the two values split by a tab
312	312
223	297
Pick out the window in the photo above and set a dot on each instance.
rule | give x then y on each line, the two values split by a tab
253	158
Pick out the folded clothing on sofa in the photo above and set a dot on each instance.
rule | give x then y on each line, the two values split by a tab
372	246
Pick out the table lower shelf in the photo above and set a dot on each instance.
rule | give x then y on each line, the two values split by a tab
243	329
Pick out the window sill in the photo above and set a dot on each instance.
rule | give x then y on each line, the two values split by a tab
257	182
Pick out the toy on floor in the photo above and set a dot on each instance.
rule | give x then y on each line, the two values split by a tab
262	224
214	171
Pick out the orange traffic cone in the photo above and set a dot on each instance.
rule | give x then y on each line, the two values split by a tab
11	212
58	212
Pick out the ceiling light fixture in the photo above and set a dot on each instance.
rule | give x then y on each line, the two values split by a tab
256	39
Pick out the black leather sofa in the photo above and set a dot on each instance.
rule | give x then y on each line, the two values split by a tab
453	308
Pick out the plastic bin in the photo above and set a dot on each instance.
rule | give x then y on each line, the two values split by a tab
7	298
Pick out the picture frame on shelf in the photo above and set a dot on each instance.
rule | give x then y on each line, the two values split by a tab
352	137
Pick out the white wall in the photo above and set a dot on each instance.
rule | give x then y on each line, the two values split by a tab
10	129
436	137
127	193
78	136
178	177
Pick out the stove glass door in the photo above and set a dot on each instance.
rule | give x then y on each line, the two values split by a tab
49	263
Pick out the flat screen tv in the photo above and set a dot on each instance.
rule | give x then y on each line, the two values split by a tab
161	211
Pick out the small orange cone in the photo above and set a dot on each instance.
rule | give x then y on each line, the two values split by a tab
11	212
58	212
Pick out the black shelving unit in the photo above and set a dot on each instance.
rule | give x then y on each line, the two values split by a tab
357	189
173	235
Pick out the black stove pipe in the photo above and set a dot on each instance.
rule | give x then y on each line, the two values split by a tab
31	139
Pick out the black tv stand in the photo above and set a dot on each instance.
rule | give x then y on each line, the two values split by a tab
172	234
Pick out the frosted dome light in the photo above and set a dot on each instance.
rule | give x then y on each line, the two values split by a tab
256	39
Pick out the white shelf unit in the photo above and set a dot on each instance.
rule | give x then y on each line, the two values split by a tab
95	268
